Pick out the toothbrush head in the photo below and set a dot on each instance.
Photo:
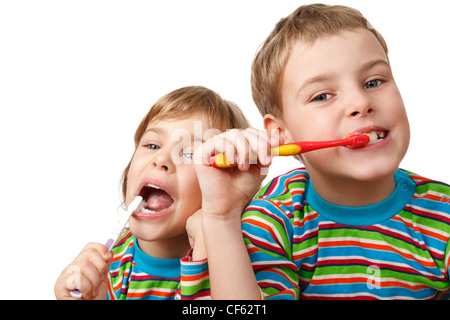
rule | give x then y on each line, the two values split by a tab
358	140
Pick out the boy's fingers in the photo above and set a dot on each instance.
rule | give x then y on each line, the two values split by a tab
259	144
207	149
216	145
275	138
237	147
241	147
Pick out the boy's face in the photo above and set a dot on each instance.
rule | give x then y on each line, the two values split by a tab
338	85
162	172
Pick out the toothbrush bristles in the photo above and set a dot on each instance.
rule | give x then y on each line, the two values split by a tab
359	140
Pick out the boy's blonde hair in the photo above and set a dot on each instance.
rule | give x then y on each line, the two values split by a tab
184	103
307	23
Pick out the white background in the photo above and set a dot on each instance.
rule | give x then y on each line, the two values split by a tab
76	78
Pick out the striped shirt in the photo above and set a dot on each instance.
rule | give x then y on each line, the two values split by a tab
303	247
136	275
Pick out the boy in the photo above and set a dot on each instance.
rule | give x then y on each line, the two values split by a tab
147	261
352	225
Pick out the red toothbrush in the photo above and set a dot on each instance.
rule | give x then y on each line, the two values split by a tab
290	149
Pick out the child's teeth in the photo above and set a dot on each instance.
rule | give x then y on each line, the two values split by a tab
373	137
145	210
153	186
376	136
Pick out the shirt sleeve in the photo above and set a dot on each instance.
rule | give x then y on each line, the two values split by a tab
268	233
446	295
111	295
194	282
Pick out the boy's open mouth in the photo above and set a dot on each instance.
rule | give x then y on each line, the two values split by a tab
377	135
156	199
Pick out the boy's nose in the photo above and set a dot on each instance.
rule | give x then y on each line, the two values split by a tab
359	106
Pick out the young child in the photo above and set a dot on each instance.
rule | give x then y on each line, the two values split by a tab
351	224
145	262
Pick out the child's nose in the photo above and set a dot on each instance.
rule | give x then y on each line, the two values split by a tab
163	161
359	106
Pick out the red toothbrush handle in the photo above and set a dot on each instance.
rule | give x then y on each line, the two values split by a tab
316	145
289	149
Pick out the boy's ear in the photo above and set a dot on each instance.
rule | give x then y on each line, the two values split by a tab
273	125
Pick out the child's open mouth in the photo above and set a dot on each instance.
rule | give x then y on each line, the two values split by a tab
377	136
156	199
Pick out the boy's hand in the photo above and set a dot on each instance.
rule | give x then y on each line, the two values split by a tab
87	273
195	234
226	191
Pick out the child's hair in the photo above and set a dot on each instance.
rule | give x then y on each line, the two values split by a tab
307	23
184	103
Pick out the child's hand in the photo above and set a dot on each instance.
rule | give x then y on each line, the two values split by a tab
87	273
195	234
226	191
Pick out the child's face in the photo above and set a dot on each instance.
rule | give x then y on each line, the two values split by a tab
338	85
162	172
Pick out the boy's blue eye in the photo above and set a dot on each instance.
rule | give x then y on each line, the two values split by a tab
372	84
322	97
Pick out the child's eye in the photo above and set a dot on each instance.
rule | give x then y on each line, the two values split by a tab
152	146
373	84
188	155
322	97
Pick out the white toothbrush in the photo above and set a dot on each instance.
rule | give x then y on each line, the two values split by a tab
135	205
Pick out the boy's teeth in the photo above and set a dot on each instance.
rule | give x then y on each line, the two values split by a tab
375	136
